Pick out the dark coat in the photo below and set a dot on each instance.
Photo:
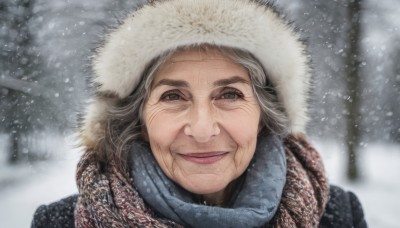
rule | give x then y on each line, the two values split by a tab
343	210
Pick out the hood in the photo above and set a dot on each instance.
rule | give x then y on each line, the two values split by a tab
159	26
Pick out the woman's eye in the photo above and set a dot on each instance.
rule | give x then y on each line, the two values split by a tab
231	95
171	96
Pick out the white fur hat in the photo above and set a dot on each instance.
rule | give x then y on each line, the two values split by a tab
167	24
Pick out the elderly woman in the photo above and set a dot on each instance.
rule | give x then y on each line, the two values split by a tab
198	120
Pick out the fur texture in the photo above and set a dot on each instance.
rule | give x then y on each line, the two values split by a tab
164	25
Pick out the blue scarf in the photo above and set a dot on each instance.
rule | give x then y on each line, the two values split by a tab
253	203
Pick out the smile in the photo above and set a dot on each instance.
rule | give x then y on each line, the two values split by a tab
204	158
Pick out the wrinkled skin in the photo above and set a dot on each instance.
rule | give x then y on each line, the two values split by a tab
202	121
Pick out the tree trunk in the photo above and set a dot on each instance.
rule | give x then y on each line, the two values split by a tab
352	63
14	155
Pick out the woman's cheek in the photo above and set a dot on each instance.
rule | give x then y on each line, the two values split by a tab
162	125
242	120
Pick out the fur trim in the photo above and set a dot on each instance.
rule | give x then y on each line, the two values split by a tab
165	25
95	120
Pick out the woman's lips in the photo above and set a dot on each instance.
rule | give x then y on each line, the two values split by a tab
204	158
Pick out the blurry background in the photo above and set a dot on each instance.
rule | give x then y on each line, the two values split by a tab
45	50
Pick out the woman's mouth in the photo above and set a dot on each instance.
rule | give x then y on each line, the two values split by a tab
204	158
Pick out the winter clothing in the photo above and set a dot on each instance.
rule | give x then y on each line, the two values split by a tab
342	211
109	198
287	188
302	204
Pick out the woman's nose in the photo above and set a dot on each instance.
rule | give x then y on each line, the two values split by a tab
202	124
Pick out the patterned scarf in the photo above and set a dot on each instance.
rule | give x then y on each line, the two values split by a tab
108	198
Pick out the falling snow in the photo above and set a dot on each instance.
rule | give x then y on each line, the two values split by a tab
50	77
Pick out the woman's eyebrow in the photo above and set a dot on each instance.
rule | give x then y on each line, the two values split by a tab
232	80
182	83
170	82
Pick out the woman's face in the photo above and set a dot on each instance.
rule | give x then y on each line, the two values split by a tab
202	120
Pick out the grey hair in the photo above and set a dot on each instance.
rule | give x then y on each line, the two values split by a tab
125	122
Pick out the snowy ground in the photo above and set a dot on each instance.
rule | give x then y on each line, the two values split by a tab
378	191
39	184
379	188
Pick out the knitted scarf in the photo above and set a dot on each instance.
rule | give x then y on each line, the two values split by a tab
109	199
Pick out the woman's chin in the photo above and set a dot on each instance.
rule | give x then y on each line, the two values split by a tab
204	187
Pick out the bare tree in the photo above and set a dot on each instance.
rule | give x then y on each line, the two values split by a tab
30	88
25	106
352	73
44	48
393	98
